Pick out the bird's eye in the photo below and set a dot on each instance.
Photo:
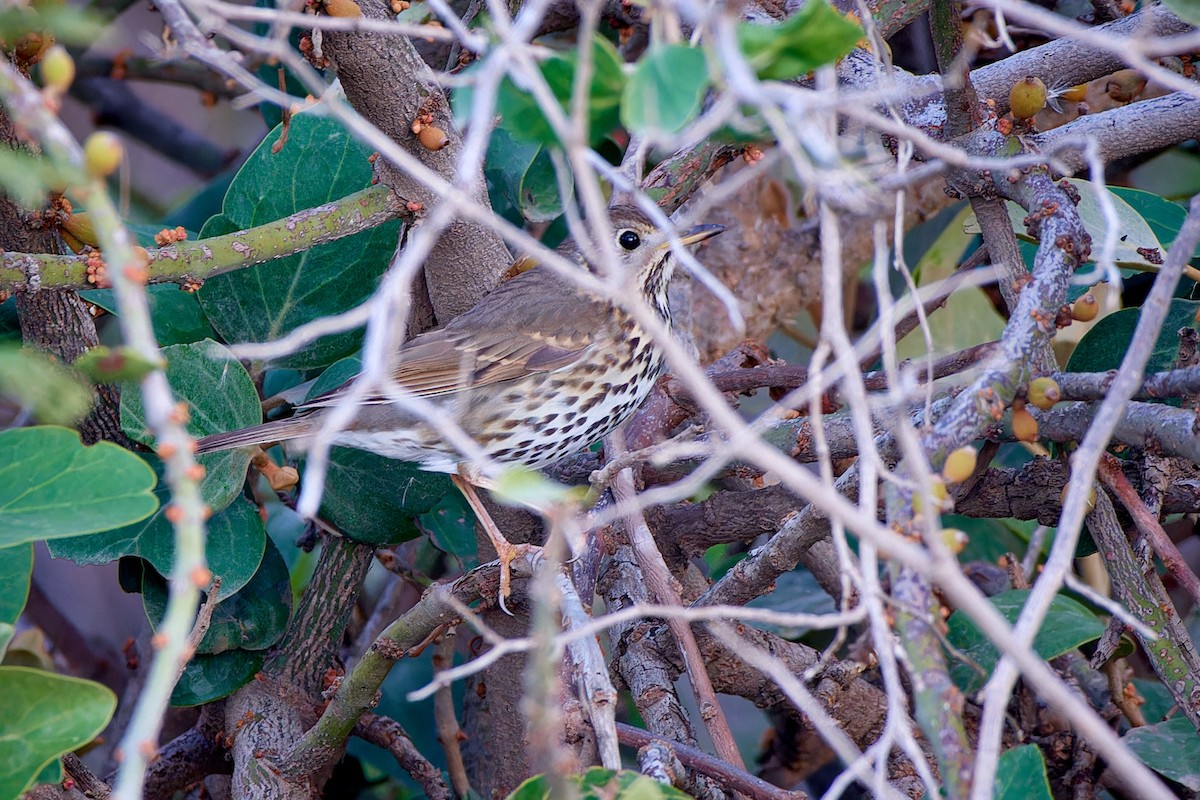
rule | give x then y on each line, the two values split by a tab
629	240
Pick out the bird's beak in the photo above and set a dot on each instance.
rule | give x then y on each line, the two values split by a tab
699	234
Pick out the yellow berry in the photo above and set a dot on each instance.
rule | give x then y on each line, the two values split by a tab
1091	498
954	539
937	490
342	8
58	68
960	465
102	153
1076	93
1024	426
432	137
1027	97
1085	308
1044	393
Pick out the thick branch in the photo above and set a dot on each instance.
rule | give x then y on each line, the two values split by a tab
195	261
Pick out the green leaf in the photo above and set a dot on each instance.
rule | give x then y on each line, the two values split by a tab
176	314
1186	10
665	91
1067	625
988	539
1136	247
795	592
252	619
54	395
1170	748
523	173
523	487
451	527
234	545
320	162
1158	699
374	500
521	115
969	316
333	377
42	716
211	677
1021	775
814	36
1164	217
16	567
597	783
220	397
52	486
1104	345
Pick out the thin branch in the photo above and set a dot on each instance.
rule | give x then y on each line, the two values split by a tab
1147	523
391	736
695	758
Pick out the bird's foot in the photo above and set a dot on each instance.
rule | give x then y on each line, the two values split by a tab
508	553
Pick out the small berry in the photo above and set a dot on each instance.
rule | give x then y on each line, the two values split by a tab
954	539
1044	393
1085	308
342	8
1027	97
1024	426
960	465
432	137
1076	94
102	153
58	69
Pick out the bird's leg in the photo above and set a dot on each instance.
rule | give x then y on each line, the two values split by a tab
505	550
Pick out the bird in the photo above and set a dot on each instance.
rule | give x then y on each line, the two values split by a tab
538	370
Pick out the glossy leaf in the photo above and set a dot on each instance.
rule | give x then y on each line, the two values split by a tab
252	619
451	526
1157	698
666	90
176	314
1170	748
969	316
523	173
211	677
1186	10
523	118
374	500
319	163
16	567
234	546
220	397
814	36
333	377
42	716
1163	216
1067	625
597	783
1103	347
1021	775
52	486
1137	246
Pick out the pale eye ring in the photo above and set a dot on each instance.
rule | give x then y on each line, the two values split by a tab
629	240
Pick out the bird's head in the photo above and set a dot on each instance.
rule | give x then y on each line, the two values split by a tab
644	249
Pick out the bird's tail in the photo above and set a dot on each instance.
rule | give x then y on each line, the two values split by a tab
267	433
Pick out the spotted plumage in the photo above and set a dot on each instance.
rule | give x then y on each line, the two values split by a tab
535	372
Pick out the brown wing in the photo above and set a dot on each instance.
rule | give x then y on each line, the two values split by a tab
536	322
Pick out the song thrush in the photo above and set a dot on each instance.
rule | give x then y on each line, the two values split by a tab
538	370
